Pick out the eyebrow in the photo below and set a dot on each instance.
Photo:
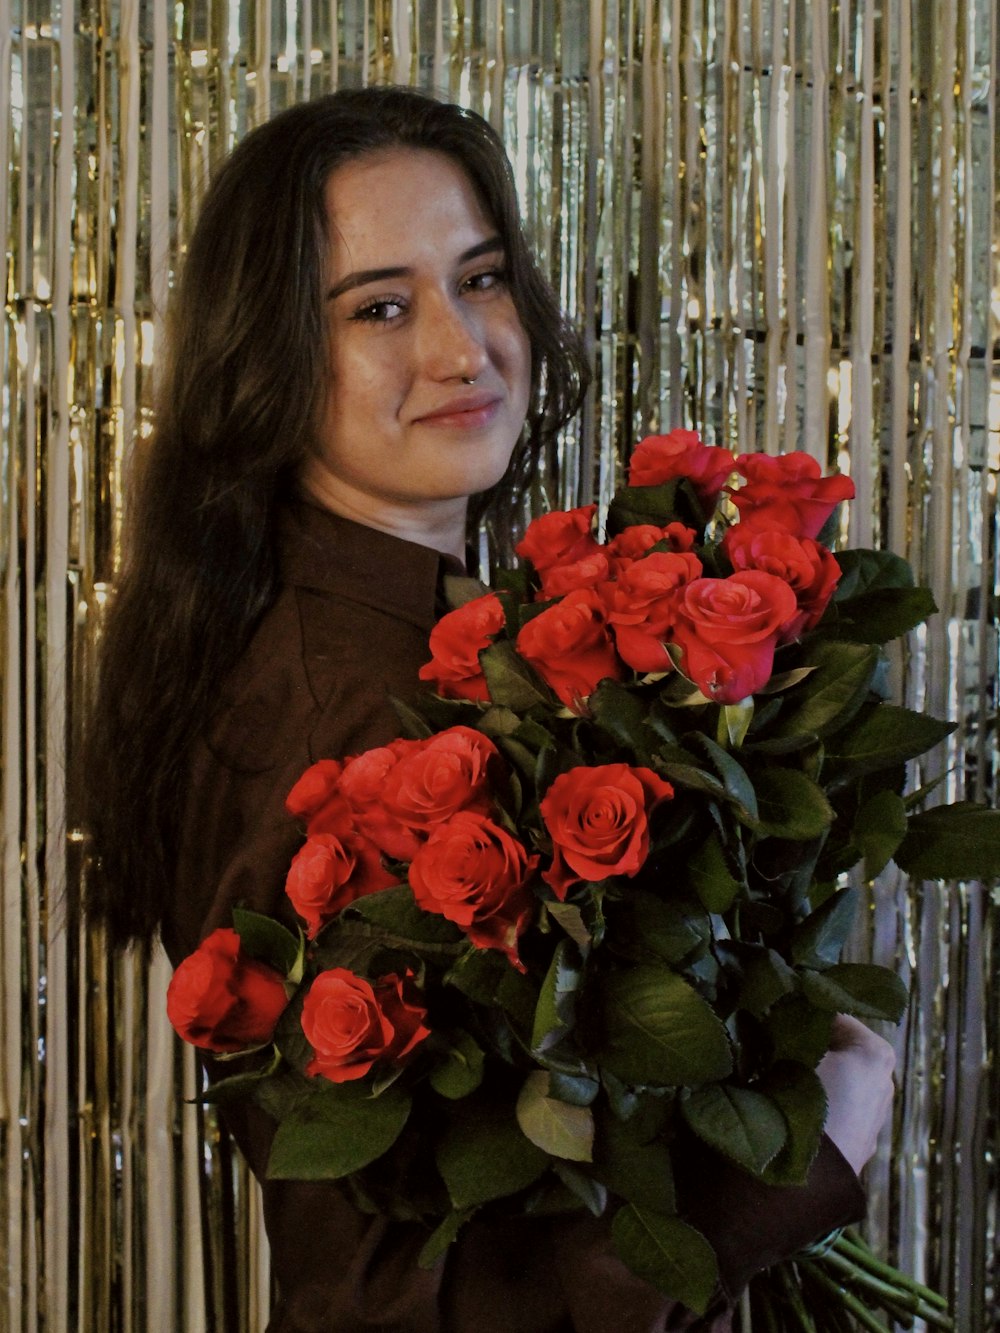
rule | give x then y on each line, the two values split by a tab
367	275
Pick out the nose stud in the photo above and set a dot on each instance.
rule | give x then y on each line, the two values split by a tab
467	380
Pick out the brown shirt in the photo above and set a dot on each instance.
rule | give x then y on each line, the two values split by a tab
348	631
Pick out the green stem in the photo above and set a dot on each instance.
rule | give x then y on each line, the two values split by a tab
895	1295
793	1293
901	1307
852	1247
860	1311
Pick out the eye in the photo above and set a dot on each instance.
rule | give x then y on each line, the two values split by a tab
486	279
381	311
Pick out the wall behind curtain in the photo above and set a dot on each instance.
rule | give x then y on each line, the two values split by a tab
775	221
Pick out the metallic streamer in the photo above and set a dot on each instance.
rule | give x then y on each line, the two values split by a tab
775	221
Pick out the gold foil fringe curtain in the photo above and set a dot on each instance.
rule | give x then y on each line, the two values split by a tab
774	220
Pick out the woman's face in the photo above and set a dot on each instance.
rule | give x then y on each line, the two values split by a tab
418	306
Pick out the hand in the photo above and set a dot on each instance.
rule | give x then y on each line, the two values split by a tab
856	1073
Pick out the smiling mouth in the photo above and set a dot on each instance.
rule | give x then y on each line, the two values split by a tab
477	410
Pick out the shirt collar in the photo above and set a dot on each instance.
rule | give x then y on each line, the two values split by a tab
328	553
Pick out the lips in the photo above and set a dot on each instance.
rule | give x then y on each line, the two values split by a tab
468	410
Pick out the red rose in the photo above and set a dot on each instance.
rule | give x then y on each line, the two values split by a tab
221	999
787	492
330	871
660	458
446	773
362	787
569	646
634	542
598	819
808	568
456	642
727	630
640	606
350	1022
560	538
474	873
313	789
585	573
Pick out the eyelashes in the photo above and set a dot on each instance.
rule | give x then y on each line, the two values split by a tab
390	307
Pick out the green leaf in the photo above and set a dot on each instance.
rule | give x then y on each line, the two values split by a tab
639	1172
883	735
879	616
669	1254
734	722
239	1085
479	974
865	571
555	1010
799	1031
556	1127
591	1193
442	1236
819	940
646	927
459	589
861	989
672	501
398	922
570	918
960	841
742	1124
574	1089
462	1069
766	979
338	1130
268	940
483	1155
833	693
509	678
659	1031
738	786
879	827
790	805
619	712
709	875
679	766
800	1096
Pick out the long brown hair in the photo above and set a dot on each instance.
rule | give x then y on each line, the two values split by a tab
235	417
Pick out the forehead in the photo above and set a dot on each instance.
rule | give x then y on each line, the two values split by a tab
388	205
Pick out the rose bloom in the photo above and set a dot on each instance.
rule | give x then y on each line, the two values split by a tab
636	541
559	538
451	771
660	458
598	819
220	999
640	606
585	573
350	1022
569	646
728	629
329	872
473	872
808	568
362	787
314	788
456	642
787	492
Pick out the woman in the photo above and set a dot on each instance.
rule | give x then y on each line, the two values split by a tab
364	362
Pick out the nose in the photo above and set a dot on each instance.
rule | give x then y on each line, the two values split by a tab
452	341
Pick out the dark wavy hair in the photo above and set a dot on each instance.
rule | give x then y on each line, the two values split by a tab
236	415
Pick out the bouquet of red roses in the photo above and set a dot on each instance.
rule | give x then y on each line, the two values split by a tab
594	901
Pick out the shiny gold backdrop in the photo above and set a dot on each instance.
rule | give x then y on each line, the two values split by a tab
774	219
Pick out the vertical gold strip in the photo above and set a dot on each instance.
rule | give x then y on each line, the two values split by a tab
816	313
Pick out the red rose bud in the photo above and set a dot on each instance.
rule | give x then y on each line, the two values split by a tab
220	999
635	542
350	1022
728	629
456	642
363	787
314	788
787	492
660	458
330	872
641	607
560	538
446	773
474	873
585	573
569	646
598	820
808	568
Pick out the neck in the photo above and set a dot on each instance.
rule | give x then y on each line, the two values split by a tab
440	524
